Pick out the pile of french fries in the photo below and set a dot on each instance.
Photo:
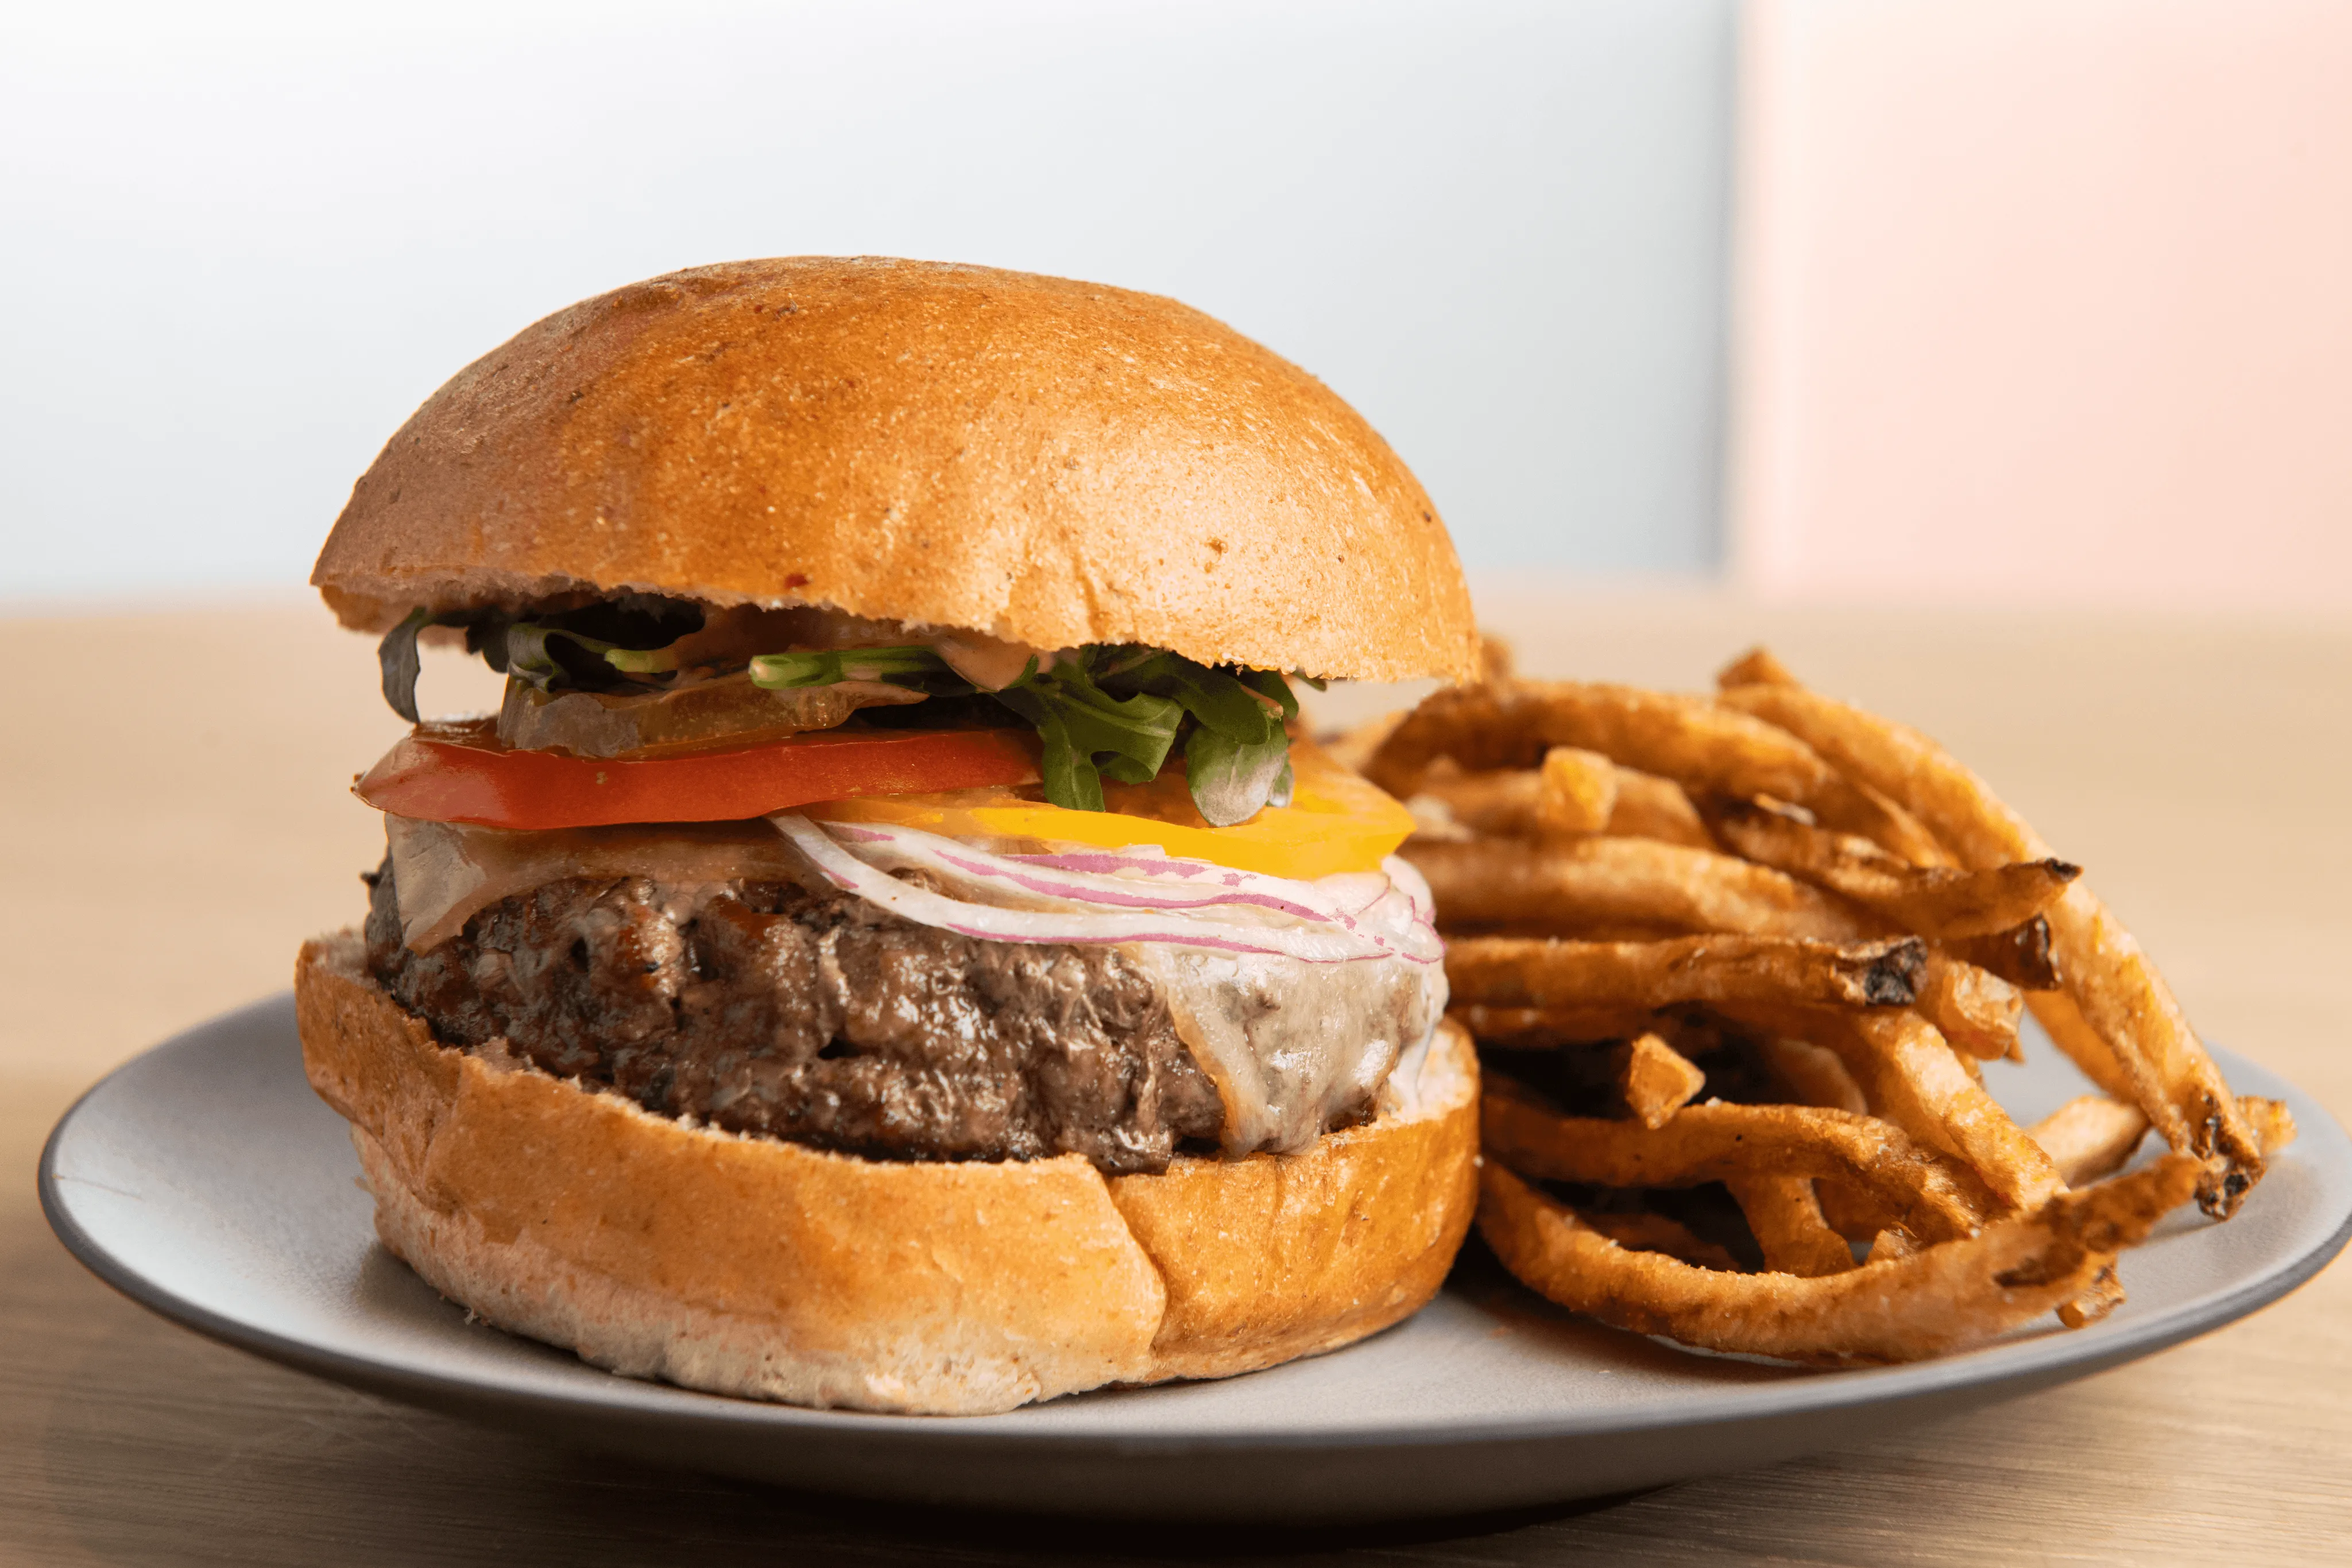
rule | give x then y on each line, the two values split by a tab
1735	964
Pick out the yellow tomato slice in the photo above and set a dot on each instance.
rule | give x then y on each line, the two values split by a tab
1336	822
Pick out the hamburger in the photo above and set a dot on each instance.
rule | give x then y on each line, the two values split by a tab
894	946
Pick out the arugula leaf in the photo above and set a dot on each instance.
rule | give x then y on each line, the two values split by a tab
1100	712
397	653
784	671
1239	754
1231	779
1088	733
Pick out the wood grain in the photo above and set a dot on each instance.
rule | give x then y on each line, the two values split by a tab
153	876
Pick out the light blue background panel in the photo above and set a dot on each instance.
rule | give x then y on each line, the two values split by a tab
243	243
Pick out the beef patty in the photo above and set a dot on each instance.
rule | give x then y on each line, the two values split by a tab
765	1008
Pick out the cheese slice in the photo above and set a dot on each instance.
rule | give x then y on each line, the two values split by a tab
1336	822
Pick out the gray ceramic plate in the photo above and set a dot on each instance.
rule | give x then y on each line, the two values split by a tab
204	1180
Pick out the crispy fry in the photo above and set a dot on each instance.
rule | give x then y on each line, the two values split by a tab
2058	1015
2107	976
1354	748
1611	880
2102	1295
1540	972
1715	1140
1507	803
1976	1010
2019	954
1814	1075
1644	1232
1853	1211
1940	902
1786	1216
1939	1299
2271	1121
1915	1077
2090	1137
1756	667
1501	804
1699	745
1909	1072
1892	1244
1656	1080
1575	792
1497	659
1649	807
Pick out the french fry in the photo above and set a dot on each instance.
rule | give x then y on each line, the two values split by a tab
1912	1078
1699	745
2019	954
1612	880
1976	1010
1501	804
1649	807
1497	659
1891	1245
2102	1295
2270	1119
1852	1211
1508	804
2090	1137
1814	1075
1915	1077
1756	667
1717	1140
1575	792
1938	901
2065	1023
2107	976
1656	1081
1786	1216
1939	1299
1355	748
1642	1232
1542	972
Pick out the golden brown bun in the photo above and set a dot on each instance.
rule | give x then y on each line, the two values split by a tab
1050	462
754	1267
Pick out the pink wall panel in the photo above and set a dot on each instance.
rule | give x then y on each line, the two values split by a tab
2046	300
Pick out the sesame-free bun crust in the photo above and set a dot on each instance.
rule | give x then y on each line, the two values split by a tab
753	1267
1050	462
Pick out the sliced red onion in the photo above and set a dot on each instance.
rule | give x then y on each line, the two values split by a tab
1365	903
1074	910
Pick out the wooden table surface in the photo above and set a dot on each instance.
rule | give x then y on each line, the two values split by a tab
173	822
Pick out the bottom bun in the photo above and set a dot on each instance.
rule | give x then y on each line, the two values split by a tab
748	1266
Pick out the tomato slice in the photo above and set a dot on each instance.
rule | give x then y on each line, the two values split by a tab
444	774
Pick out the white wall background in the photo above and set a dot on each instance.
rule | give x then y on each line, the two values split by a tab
240	242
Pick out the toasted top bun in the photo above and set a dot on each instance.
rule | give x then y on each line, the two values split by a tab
753	1267
1049	462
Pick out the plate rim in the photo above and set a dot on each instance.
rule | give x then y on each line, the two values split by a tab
1985	1372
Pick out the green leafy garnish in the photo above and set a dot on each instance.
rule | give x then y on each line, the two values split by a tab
397	653
1100	712
1087	732
784	671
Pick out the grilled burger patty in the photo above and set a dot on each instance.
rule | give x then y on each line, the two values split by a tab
764	1008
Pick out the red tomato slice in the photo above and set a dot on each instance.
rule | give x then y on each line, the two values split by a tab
439	777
